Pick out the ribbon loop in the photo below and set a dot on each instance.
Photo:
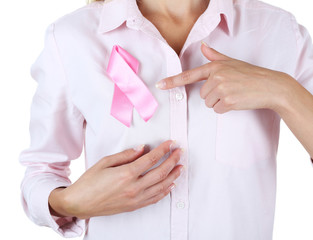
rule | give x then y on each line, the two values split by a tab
129	90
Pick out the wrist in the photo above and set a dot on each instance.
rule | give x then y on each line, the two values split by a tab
58	203
282	99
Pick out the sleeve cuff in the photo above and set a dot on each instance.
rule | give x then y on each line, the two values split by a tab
40	213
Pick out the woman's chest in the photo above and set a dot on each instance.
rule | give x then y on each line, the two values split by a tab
92	92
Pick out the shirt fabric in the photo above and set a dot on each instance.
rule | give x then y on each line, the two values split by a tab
228	190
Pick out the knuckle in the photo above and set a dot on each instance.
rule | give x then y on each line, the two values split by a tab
131	193
153	159
228	101
127	174
161	188
169	82
162	174
218	77
220	88
185	76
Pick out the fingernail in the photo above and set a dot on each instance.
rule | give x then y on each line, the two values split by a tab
160	84
183	168
205	44
139	147
174	185
173	144
182	150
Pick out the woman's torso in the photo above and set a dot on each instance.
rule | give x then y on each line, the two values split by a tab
228	192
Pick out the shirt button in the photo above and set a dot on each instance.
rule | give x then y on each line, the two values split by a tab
179	96
180	204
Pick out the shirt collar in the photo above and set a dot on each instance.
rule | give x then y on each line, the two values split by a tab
116	12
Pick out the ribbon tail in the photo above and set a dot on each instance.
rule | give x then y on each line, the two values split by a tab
143	100
121	108
129	90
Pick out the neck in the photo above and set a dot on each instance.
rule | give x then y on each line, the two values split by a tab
173	9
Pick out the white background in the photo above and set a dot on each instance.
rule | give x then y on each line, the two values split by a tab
22	26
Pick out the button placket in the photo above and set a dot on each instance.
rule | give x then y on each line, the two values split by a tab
180	204
178	124
179	96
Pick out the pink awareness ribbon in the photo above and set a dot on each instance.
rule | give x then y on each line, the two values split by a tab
129	89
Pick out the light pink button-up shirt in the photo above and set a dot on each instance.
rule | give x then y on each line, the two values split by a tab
228	190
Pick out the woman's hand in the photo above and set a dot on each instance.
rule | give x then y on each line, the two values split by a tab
115	184
232	84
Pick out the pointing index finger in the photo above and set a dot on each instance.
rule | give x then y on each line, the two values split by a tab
186	77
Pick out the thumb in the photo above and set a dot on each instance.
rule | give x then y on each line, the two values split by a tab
211	54
124	157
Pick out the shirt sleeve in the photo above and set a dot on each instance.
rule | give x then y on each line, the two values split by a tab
303	71
56	137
